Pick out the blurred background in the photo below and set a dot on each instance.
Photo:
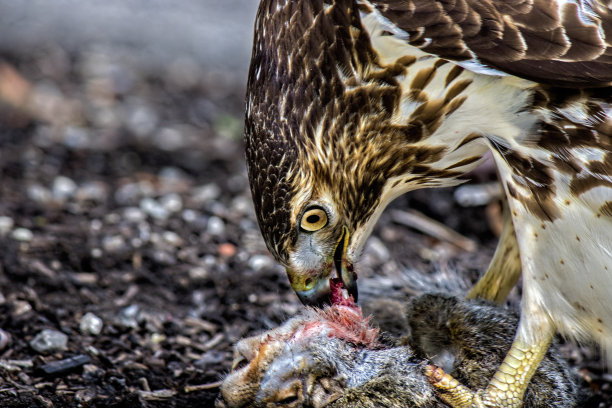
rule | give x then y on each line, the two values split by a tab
130	258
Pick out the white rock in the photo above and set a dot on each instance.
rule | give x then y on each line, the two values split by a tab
63	188
49	340
215	226
91	324
259	262
153	208
172	202
22	234
6	224
114	243
134	214
206	193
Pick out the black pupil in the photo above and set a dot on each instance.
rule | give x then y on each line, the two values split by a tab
313	219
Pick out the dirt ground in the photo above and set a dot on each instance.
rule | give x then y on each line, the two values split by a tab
126	228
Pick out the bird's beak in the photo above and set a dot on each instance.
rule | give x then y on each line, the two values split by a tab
317	291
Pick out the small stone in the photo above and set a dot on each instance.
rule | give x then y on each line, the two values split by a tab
227	250
172	202
5	339
198	273
63	188
39	194
96	225
206	193
76	137
90	324
172	238
259	262
113	244
130	193
22	234
141	120
134	214
92	191
188	216
153	208
215	226
21	307
6	224
169	139
85	396
242	205
157	338
49	340
128	317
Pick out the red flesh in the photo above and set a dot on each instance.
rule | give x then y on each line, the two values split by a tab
336	286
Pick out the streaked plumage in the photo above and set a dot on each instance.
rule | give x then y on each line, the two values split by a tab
352	103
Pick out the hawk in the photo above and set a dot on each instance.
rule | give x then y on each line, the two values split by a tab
351	103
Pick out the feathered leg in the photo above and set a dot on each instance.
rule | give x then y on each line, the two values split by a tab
504	269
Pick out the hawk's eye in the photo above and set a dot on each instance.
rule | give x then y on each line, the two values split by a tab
313	219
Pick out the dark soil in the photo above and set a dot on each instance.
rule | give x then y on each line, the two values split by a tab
123	193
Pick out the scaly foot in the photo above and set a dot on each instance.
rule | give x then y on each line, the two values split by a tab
506	388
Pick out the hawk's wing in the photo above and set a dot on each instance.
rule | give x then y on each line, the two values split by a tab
560	42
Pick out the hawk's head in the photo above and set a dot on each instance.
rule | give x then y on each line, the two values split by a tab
319	176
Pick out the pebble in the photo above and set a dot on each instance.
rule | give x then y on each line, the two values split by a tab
21	307
259	262
187	215
76	137
91	324
215	226
131	193
134	214
153	208
49	340
128	317
5	339
141	120
39	194
169	139
22	234
173	203
206	193
227	250
113	244
198	273
92	191
6	224
243	205
63	188
172	238
85	396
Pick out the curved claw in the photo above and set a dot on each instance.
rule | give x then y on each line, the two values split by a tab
451	391
507	387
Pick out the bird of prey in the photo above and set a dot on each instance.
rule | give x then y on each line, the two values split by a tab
351	103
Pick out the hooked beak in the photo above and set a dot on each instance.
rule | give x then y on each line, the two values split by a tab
317	291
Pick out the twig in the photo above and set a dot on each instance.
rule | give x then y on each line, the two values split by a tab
202	387
421	222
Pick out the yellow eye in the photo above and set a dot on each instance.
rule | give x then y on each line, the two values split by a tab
313	220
